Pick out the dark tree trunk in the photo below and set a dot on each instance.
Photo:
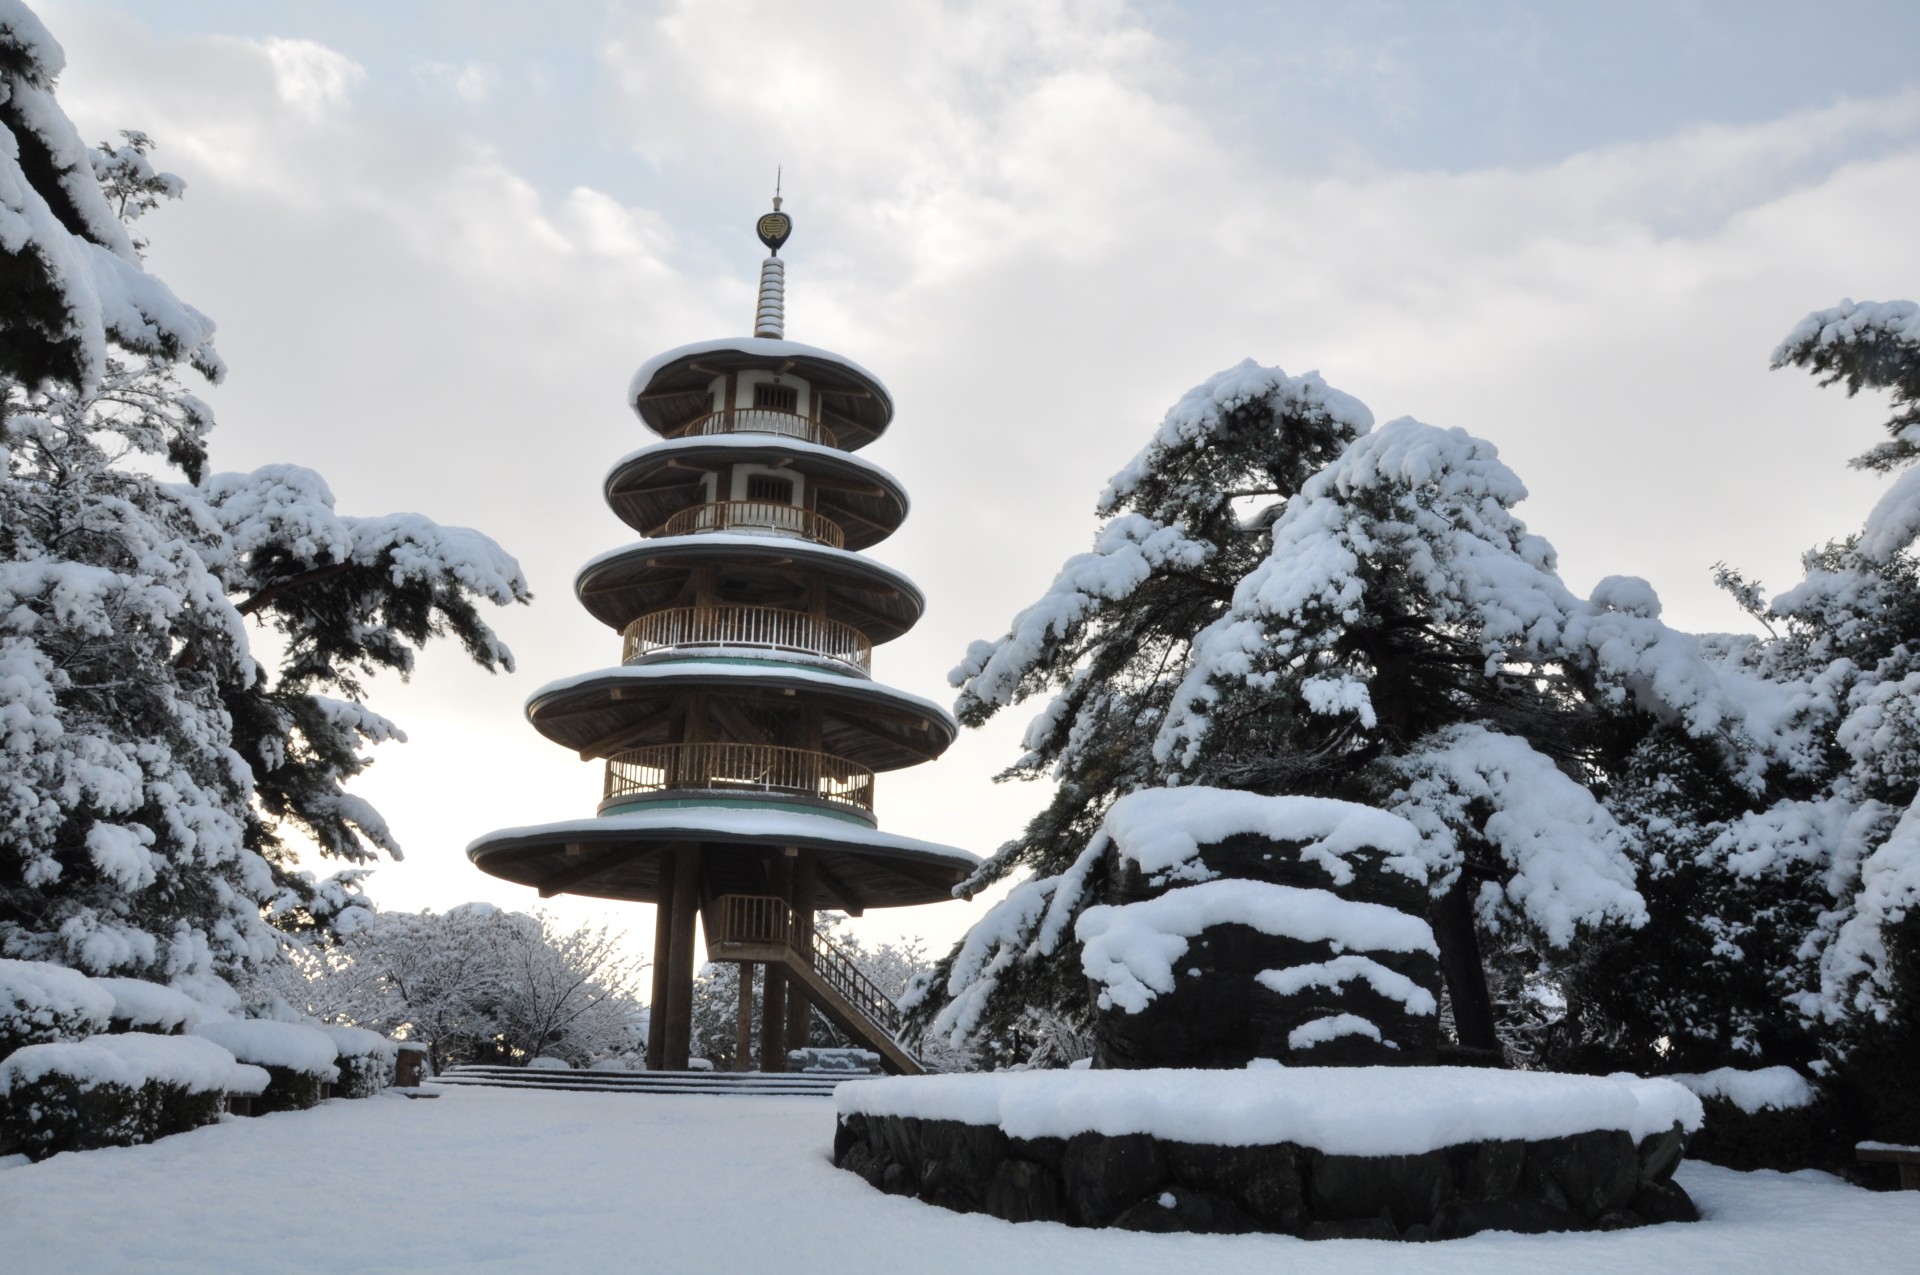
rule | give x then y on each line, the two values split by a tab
1452	918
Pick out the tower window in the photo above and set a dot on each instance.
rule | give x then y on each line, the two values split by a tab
767	487
778	398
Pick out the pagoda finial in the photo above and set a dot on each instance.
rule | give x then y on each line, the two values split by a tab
770	319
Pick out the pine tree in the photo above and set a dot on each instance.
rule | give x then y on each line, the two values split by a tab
1106	645
1384	631
151	766
69	271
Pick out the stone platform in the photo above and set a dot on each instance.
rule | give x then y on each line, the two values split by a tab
1139	1168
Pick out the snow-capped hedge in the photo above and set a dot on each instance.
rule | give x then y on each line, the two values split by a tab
1769	1118
148	1007
365	1059
300	1059
42	1003
111	1091
1769	1088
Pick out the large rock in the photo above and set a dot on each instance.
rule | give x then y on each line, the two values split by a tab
1242	991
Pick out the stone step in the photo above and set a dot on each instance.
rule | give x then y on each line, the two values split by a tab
659	1082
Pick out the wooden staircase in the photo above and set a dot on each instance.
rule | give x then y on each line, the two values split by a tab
762	928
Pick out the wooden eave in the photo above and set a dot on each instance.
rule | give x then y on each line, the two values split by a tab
625	865
856	409
878	603
861	721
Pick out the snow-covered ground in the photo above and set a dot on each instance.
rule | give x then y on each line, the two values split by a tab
526	1181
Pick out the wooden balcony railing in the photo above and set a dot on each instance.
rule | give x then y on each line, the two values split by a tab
730	767
763	920
753	515
762	628
759	420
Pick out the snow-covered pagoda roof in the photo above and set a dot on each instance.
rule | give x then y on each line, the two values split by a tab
648	574
671	388
866	722
617	856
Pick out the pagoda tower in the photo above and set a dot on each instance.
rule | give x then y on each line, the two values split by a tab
742	730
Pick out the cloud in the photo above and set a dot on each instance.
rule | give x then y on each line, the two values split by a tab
310	77
470	83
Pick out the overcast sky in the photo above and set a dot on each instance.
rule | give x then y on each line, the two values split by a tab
438	235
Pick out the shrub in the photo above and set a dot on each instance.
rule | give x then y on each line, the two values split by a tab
187	1079
298	1059
365	1059
70	1096
41	1004
1771	1118
149	1007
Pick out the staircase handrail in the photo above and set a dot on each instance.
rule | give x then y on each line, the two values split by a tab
763	918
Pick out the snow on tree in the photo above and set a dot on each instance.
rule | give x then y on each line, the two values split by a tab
475	984
1385	631
1106	645
1783	892
70	271
151	765
1798	894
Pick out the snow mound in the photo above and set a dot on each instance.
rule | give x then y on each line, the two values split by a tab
38	998
1162	829
356	1041
1769	1088
130	1061
1131	950
1337	1110
150	1006
248	1080
269	1044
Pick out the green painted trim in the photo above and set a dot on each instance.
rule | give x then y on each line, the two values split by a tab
735	803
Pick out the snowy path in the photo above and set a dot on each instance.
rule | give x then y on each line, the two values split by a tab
500	1180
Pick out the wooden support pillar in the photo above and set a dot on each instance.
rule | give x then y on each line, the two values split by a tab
743	1022
662	945
678	1042
799	1009
773	990
773	1018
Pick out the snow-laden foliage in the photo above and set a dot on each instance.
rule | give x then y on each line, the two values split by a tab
1566	860
73	278
150	767
1866	345
41	1003
473	984
152	762
1104	647
1386	630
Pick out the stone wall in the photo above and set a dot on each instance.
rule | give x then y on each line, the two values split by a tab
1588	1181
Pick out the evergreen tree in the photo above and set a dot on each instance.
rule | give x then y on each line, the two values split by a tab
1385	631
150	765
69	271
1829	865
1106	645
1783	897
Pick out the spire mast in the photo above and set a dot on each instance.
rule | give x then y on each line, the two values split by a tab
770	319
